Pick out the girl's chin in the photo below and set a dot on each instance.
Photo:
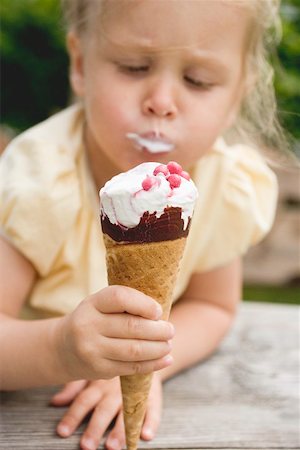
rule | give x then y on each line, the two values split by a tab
140	156
135	157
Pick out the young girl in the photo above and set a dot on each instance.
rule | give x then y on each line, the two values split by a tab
190	73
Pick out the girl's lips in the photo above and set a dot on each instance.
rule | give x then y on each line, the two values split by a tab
151	142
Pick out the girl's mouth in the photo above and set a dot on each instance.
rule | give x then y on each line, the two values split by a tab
151	142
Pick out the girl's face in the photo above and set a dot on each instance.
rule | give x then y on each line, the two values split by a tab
172	70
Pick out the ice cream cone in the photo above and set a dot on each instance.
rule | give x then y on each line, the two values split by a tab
135	390
145	217
151	268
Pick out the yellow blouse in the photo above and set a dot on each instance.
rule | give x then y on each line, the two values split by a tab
49	211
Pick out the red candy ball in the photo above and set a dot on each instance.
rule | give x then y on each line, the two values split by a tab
174	168
174	180
162	168
185	175
148	183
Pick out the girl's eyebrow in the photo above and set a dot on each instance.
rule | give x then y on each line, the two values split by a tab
134	47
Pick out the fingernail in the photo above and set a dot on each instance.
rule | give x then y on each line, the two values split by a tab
63	430
114	444
172	328
158	311
148	433
88	444
168	359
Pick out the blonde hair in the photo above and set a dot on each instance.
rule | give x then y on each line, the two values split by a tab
257	123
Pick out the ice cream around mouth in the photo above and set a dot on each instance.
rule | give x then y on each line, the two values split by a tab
152	145
151	202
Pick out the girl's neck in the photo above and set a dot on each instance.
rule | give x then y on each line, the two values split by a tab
101	167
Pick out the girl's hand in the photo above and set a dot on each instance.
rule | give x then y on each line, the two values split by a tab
113	332
103	397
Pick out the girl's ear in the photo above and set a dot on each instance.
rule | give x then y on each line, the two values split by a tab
76	63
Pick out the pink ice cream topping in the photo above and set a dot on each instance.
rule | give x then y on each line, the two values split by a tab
149	182
162	168
174	168
185	175
174	180
172	172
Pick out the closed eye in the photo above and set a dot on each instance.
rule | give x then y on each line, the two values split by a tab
133	69
198	83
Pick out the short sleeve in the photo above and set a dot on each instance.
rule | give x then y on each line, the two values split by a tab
39	198
240	208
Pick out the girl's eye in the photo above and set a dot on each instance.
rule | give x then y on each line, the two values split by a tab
134	69
198	83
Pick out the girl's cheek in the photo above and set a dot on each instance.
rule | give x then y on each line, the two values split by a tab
110	117
117	114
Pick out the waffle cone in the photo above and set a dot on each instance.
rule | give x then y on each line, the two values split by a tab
152	269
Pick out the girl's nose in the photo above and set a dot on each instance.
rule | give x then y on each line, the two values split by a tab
160	102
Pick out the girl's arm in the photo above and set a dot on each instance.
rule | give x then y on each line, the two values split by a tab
203	315
97	340
27	353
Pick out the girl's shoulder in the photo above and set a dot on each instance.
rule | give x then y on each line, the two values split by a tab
239	164
60	130
238	156
44	157
40	187
236	204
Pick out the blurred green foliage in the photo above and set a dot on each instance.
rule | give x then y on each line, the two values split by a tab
34	66
272	294
287	80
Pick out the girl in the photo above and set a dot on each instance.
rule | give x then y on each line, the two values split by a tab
194	74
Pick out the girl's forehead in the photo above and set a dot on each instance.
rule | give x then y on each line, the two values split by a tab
159	24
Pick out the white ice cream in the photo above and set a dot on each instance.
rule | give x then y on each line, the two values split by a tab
151	145
124	201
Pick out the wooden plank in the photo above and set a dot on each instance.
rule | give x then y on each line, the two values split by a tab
243	397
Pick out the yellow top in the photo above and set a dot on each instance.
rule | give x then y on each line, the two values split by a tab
49	211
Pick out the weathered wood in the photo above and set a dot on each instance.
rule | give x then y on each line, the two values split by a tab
243	397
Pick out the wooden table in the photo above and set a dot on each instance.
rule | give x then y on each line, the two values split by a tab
243	397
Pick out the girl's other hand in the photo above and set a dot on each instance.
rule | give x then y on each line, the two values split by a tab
114	332
103	397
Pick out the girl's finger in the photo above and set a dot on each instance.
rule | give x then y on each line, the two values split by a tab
68	393
127	326
130	368
120	299
81	406
135	349
116	438
153	413
102	416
